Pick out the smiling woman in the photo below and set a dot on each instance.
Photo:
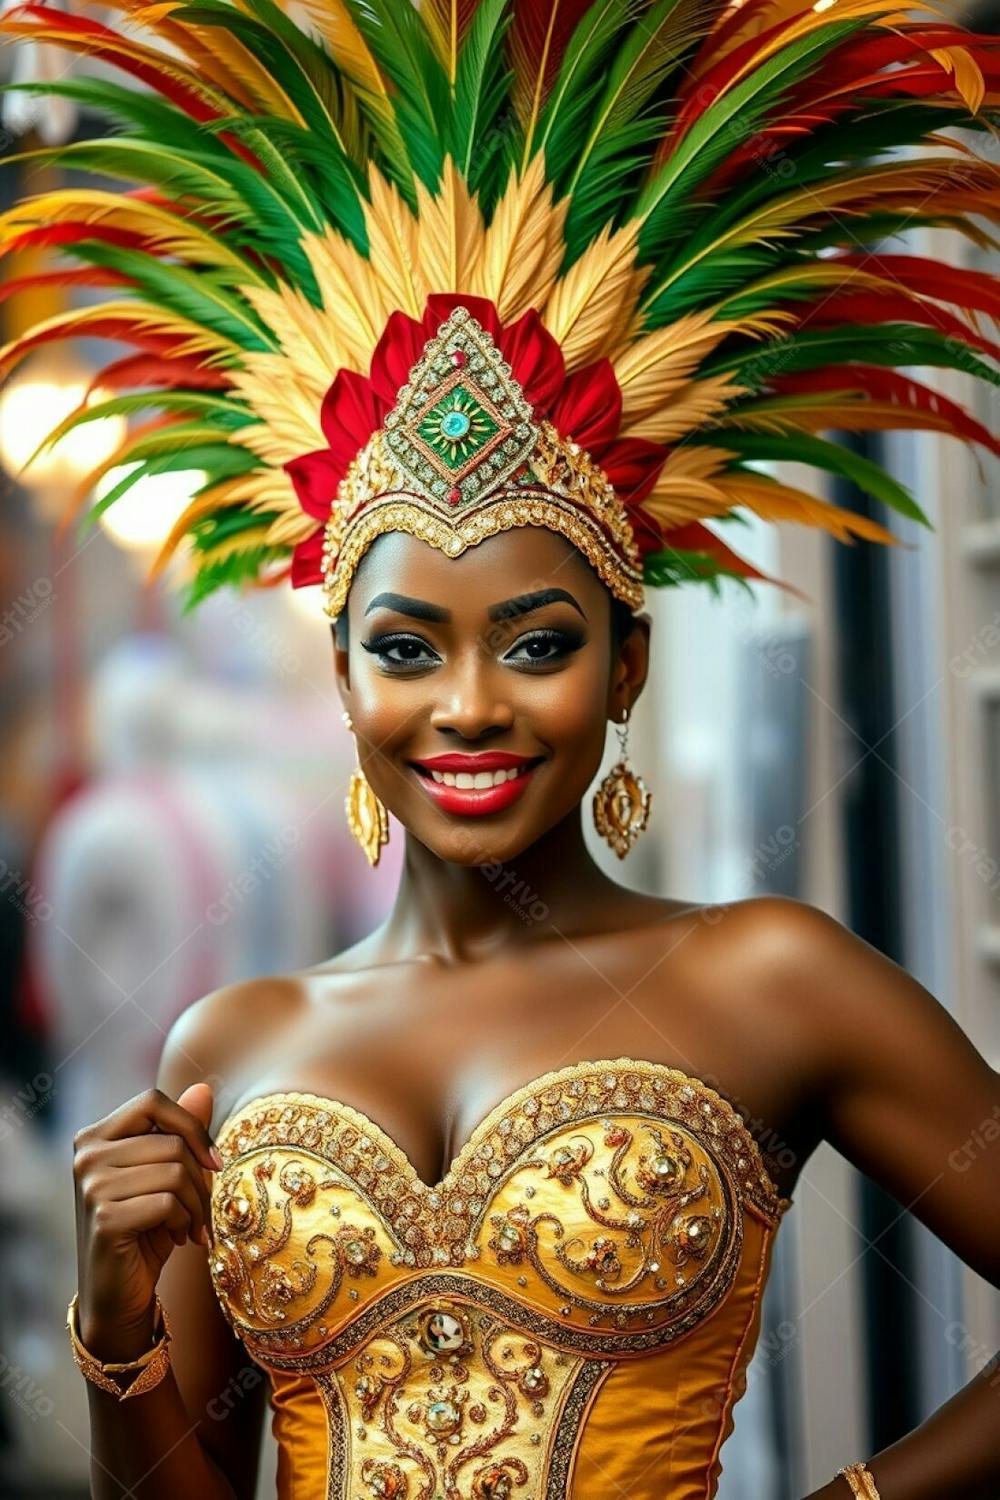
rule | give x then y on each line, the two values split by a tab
480	317
542	668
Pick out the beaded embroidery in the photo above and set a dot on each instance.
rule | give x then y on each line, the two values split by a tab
596	1212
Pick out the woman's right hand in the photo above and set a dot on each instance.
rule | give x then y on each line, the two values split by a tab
141	1189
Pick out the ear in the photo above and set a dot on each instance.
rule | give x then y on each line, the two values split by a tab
630	669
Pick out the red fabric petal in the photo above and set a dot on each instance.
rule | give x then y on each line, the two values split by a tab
316	477
535	359
350	413
588	409
440	304
632	465
397	351
307	556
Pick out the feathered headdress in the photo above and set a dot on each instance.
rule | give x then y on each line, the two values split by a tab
484	263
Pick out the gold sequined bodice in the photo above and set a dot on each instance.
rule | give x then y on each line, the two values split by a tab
568	1313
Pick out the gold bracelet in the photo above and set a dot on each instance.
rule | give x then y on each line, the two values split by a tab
861	1481
149	1369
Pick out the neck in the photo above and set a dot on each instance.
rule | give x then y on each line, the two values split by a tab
463	912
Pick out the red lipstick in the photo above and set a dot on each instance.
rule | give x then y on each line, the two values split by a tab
475	801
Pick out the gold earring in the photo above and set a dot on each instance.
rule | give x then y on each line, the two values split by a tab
622	801
366	815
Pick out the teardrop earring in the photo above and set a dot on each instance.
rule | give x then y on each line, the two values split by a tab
366	815
622	801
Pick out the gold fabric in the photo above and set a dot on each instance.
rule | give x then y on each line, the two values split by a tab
568	1313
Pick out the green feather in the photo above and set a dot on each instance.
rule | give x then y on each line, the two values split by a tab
623	129
202	295
476	135
894	344
398	39
806	448
739	109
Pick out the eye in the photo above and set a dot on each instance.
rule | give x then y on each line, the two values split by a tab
412	651
543	647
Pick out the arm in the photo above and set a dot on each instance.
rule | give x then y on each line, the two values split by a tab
142	1197
908	1099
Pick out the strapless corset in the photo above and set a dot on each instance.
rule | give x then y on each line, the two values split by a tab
569	1313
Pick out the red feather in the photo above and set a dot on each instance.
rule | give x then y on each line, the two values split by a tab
932	278
69	232
537	42
889	307
91	276
889	385
101	41
121	329
152	369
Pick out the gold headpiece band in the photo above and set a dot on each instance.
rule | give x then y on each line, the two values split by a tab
461	457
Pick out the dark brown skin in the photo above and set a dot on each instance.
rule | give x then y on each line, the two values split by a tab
456	1001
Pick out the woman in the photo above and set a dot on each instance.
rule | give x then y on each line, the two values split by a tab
480	1194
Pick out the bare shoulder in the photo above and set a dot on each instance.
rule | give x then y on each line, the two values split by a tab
866	1017
215	1036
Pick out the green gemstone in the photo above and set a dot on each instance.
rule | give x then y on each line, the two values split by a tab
457	427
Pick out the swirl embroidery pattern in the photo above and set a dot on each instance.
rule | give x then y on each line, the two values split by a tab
595	1213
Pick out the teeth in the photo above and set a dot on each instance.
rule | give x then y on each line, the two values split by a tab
468	780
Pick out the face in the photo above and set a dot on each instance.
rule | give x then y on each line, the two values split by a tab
480	687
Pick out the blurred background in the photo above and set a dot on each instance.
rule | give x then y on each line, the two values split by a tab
171	820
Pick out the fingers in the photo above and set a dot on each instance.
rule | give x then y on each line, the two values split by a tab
149	1211
156	1111
111	1182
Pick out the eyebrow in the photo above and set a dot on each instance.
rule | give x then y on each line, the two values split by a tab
521	604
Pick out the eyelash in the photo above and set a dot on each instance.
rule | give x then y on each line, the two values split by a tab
380	645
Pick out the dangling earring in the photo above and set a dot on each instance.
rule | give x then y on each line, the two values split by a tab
622	801
366	815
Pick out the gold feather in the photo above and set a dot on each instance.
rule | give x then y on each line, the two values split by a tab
773	501
197	340
291	527
523	246
451	232
394	245
597	296
165	230
287	406
309	340
696	404
653	368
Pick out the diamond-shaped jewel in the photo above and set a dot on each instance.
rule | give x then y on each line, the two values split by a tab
456	427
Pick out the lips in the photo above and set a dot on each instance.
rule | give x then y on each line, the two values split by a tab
476	784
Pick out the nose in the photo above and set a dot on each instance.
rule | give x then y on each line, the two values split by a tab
469	698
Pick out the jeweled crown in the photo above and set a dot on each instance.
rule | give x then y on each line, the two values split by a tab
460	457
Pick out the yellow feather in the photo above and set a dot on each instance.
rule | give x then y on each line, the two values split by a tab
166	230
288	408
696	404
353	297
198	340
523	246
773	501
218	55
451	232
394	245
242	541
291	528
309	340
598	295
653	368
